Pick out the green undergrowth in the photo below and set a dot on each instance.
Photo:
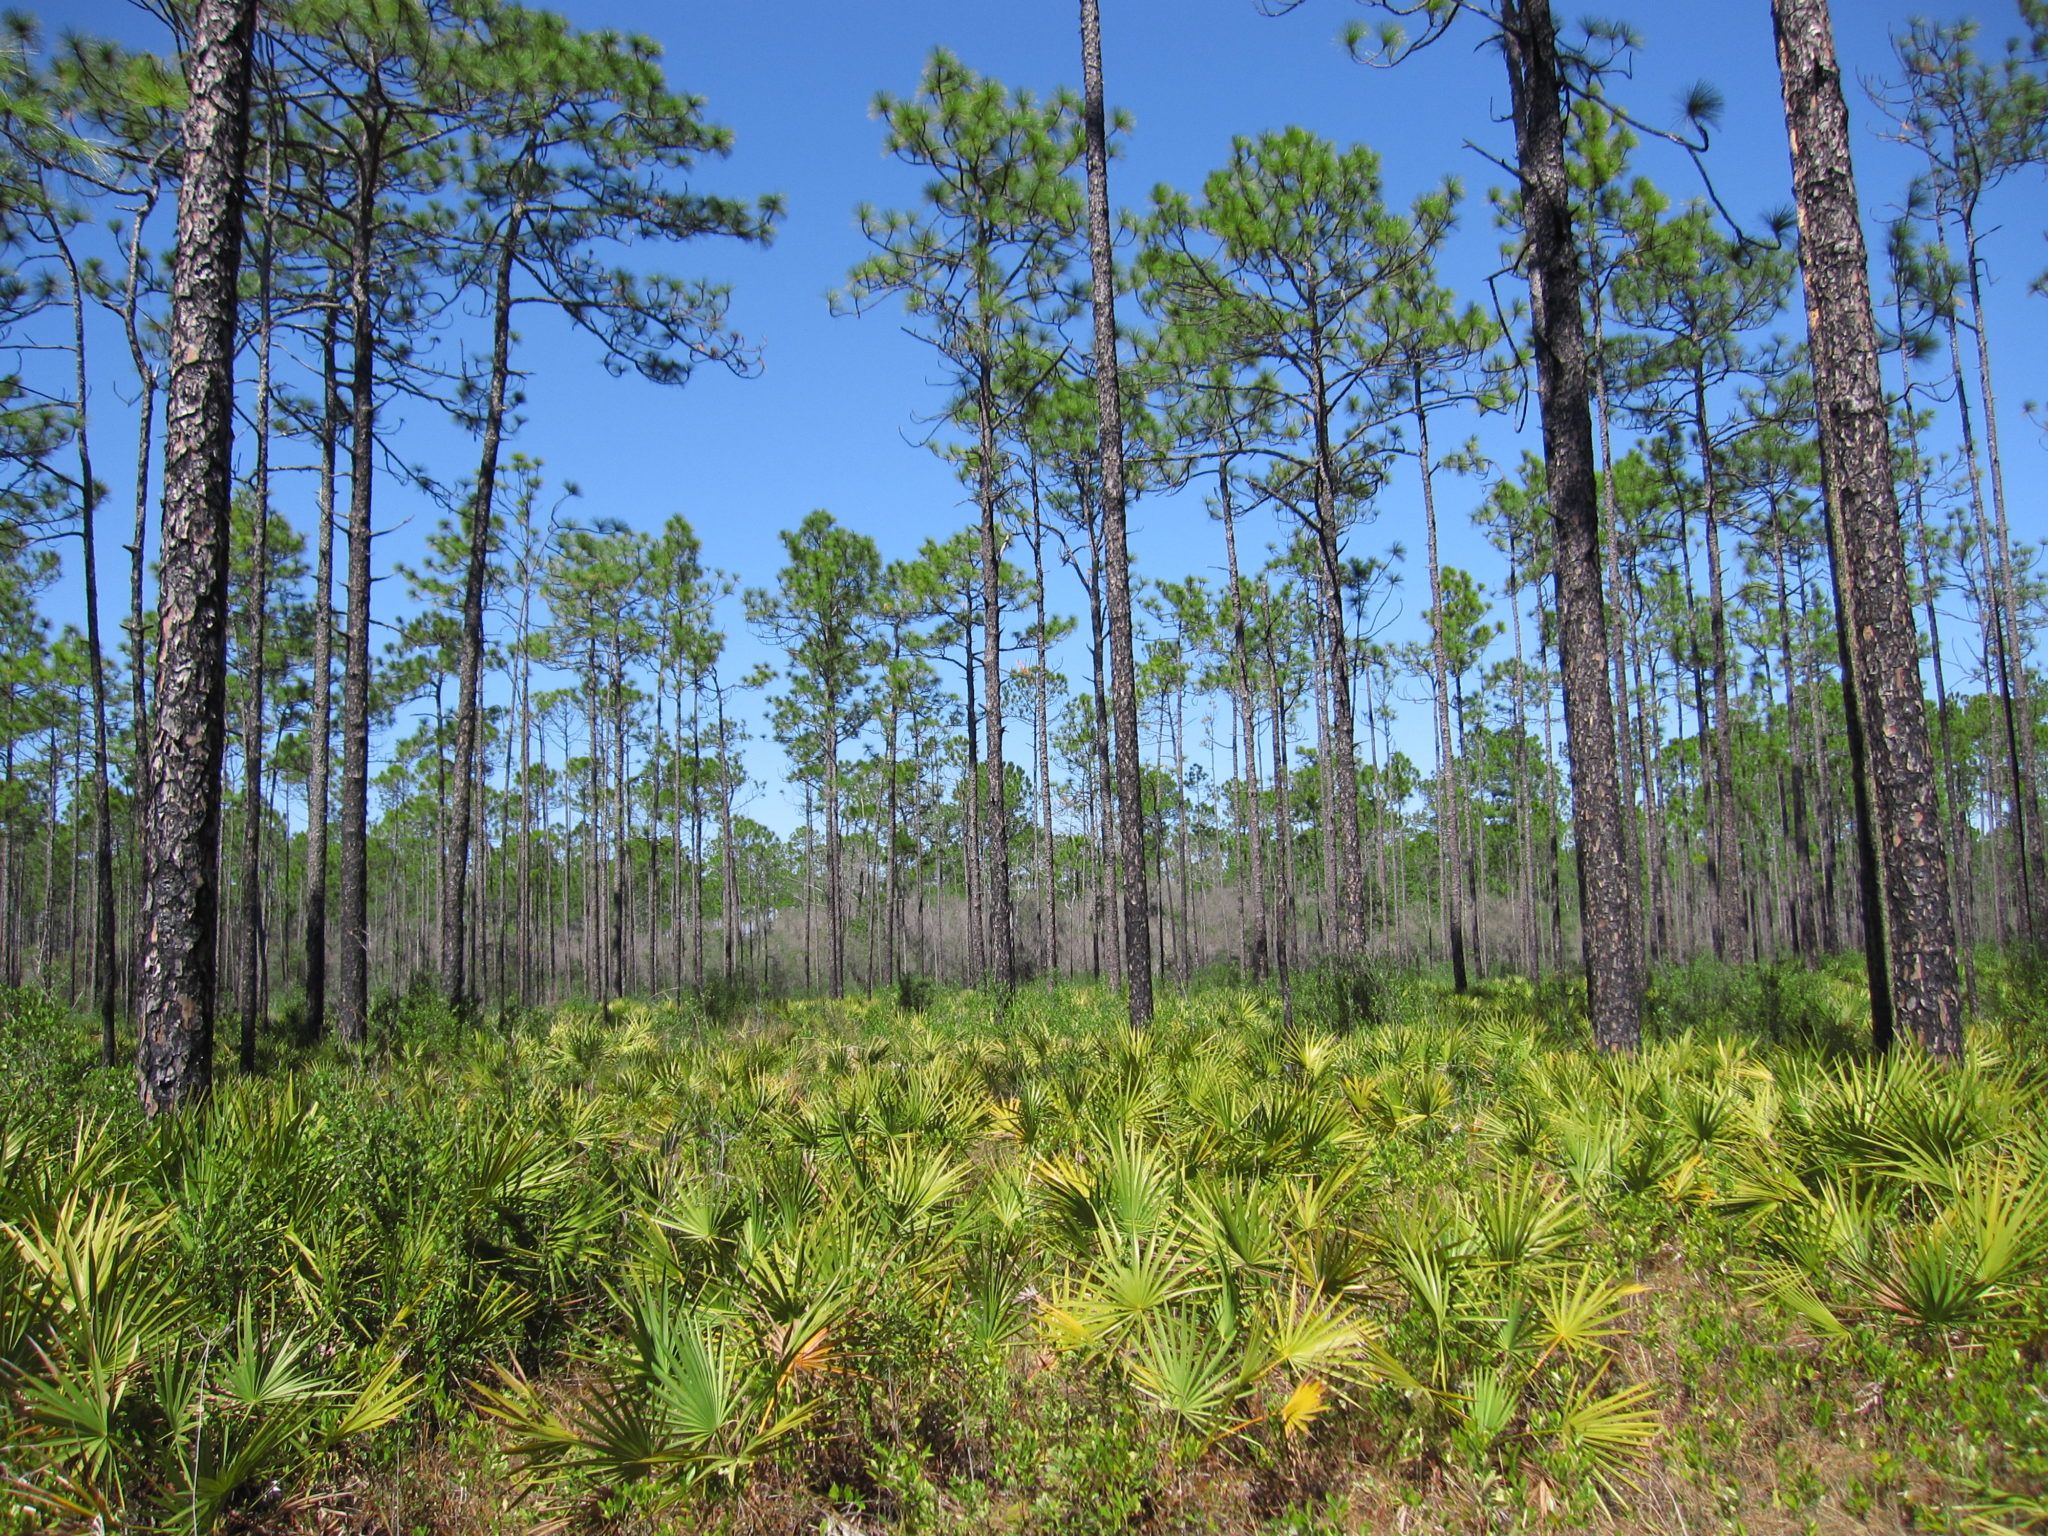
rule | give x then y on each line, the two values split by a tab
939	1261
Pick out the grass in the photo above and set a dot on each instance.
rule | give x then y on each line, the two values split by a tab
859	1267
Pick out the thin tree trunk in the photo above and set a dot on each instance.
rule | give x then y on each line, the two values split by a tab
1805	934
1326	823
1240	652
1731	927
1123	677
729	876
835	909
995	885
1111	884
1524	818
1283	817
1609	935
971	852
1049	942
1448	800
145	440
1338	773
103	817
2030	860
352	975
2004	660
454	977
259	597
320	711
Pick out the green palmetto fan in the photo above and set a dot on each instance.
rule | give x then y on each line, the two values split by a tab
87	1300
1183	1367
1579	1315
1519	1129
1487	1406
684	1406
1297	1333
910	1188
1524	1222
1127	1285
1603	1436
1125	1188
1707	1117
1969	1265
1239	1223
1333	1261
263	1414
1216	1385
1310	1054
995	1317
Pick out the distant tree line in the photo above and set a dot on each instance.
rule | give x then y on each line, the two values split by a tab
1754	674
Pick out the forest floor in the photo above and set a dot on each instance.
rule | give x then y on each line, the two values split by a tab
1421	1263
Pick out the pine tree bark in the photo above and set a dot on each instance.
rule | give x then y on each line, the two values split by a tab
320	710
1240	652
1448	801
1048	896
251	986
455	887
88	535
2030	862
995	883
1283	816
1634	821
1731	926
352	975
1911	940
835	885
181	889
1123	676
1609	934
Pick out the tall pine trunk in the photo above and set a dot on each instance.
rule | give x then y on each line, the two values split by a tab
1240	652
352	975
259	596
1912	942
1448	802
96	661
455	887
1731	926
1116	569
320	711
995	883
1609	935
181	890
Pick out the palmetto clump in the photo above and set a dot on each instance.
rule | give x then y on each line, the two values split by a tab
664	1256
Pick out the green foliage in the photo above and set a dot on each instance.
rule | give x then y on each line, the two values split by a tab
1039	1274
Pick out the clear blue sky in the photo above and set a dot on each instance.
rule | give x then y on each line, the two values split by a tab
830	421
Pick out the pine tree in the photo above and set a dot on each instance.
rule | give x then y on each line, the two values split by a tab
182	853
1908	933
981	266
